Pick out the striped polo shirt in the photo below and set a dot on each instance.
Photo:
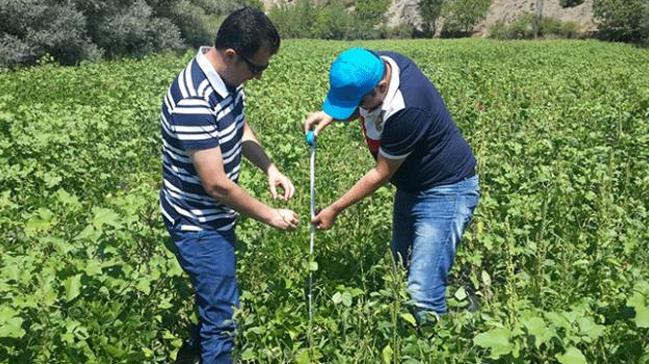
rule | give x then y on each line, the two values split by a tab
198	112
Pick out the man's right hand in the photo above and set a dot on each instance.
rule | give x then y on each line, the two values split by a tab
284	219
317	121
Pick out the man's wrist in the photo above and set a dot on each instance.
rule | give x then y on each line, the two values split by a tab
336	207
271	168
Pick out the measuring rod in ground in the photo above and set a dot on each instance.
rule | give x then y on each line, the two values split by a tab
310	140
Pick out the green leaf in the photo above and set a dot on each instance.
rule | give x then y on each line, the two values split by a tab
72	287
637	302
301	358
12	328
486	278
103	216
51	180
589	328
559	320
337	298
409	318
313	266
41	220
572	356
148	353
642	317
143	285
497	340
387	354
460	294
347	299
67	199
93	267
537	328
248	354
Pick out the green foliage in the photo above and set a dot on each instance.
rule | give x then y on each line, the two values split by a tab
623	20
295	20
557	251
523	28
71	31
122	31
32	28
330	20
371	12
401	31
430	11
462	16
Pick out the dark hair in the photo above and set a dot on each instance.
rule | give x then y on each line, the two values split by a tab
246	30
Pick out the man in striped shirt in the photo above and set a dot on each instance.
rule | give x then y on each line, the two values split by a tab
204	136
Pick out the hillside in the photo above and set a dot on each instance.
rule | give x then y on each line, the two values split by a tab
406	11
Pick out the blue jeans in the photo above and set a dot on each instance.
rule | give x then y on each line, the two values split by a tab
208	257
427	228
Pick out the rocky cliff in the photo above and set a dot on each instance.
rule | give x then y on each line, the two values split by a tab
406	11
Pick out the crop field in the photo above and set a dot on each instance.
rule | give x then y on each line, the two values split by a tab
558	252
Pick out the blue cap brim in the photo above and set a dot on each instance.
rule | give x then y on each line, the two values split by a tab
339	109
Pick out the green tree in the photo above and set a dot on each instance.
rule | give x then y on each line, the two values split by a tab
623	20
461	16
430	10
371	12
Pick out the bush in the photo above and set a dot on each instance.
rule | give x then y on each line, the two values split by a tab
623	20
296	20
33	28
402	31
461	16
523	28
194	23
332	20
74	30
124	32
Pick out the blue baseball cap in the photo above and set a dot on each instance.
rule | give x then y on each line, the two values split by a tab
354	73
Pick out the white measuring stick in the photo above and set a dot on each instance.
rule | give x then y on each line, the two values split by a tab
310	138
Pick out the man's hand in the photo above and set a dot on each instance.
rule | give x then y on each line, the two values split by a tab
325	219
318	121
284	219
276	178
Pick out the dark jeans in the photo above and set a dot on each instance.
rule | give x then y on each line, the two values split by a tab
208	257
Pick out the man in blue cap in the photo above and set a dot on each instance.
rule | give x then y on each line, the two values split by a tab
419	149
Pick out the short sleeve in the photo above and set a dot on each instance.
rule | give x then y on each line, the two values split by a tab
403	131
194	123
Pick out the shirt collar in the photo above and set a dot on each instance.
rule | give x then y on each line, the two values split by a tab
394	85
213	77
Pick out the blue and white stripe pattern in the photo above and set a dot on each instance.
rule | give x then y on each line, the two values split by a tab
198	112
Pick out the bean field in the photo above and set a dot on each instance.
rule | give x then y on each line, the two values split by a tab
557	254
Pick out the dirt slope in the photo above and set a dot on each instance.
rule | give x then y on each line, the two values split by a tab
406	11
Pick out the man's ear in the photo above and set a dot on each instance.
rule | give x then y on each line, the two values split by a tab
383	86
229	54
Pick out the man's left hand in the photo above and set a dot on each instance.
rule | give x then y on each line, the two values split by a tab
275	178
